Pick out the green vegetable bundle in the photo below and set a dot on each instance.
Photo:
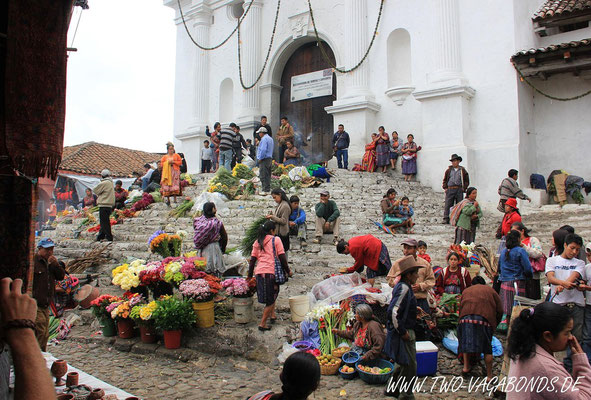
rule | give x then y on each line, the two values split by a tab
251	236
241	171
224	177
54	324
183	209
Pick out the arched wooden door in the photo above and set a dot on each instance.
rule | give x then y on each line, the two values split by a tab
308	117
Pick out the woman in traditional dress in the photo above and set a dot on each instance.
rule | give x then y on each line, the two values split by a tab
533	248
210	239
409	158
395	149
367	335
454	278
171	174
120	195
466	215
368	163
383	149
480	312
266	250
281	216
291	155
90	199
514	269
390	207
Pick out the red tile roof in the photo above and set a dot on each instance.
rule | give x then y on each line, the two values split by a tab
555	47
91	158
556	8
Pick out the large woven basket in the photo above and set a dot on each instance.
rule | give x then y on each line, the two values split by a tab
339	351
330	370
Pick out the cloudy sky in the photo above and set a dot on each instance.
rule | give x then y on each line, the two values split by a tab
121	80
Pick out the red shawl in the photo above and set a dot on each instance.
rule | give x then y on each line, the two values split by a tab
36	84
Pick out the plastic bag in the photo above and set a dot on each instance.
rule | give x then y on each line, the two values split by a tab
249	162
288	350
334	289
298	173
215	197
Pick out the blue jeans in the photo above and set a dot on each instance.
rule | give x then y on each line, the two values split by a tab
145	183
226	159
343	158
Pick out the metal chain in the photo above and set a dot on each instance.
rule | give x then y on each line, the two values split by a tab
524	79
225	40
247	87
325	55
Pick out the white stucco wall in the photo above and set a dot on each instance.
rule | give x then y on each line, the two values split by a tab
503	126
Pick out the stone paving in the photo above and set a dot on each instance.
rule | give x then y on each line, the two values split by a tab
235	361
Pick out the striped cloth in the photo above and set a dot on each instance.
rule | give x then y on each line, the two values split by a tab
474	335
508	295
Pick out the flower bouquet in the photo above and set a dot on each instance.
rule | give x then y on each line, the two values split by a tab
164	244
143	203
241	290
126	276
101	308
239	287
202	291
142	316
172	315
241	171
329	317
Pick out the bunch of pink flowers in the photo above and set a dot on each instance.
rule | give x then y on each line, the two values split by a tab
237	287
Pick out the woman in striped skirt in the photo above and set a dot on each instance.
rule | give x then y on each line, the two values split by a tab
514	269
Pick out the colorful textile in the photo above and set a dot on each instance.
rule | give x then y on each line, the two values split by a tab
35	79
207	230
474	335
409	161
383	152
361	338
508	294
368	250
368	163
267	289
171	175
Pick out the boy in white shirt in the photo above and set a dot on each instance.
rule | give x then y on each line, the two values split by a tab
565	273
206	157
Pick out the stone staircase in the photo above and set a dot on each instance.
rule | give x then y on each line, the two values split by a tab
358	196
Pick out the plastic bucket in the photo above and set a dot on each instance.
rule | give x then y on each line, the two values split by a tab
148	334
243	310
299	307
172	339
108	327
125	328
204	313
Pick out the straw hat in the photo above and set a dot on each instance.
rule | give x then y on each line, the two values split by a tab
407	264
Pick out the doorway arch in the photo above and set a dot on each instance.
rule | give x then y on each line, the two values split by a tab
310	121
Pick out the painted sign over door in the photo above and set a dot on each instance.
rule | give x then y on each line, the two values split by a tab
311	85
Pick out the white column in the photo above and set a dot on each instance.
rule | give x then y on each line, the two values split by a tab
200	111
448	61
357	39
250	35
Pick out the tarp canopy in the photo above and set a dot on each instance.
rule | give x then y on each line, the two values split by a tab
83	182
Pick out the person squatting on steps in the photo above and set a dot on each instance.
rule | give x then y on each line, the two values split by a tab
328	218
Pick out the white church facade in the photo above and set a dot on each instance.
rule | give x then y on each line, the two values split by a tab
439	69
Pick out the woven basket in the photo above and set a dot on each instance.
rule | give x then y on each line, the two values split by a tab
330	370
339	351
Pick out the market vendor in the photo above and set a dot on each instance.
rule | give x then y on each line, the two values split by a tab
368	251
367	335
120	195
426	280
47	271
211	239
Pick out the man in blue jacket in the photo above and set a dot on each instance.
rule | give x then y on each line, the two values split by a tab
265	157
297	220
340	144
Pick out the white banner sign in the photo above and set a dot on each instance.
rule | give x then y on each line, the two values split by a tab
313	84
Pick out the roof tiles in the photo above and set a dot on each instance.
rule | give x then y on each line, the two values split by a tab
554	47
555	8
91	158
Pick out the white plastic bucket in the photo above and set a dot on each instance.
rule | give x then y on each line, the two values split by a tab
299	306
243	310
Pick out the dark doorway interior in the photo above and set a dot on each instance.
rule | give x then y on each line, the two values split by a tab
308	117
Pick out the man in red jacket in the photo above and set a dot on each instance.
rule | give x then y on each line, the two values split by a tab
367	251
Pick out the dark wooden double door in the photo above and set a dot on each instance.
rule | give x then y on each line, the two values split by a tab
308	117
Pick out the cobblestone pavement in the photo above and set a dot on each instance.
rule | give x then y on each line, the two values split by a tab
151	376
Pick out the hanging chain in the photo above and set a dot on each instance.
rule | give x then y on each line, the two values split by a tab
326	56
225	40
524	79
247	87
